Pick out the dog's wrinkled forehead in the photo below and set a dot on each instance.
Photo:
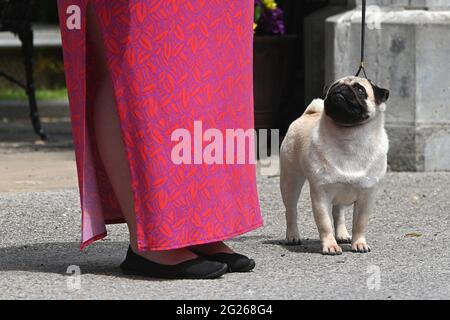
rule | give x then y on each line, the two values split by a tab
352	80
373	92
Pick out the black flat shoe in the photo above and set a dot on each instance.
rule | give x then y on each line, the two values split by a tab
236	262
198	268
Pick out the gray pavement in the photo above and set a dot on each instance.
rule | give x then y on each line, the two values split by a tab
40	224
408	232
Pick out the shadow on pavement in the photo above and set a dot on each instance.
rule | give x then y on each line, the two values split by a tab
102	259
306	246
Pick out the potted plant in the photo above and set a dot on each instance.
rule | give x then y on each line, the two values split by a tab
273	60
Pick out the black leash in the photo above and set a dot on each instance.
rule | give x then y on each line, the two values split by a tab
362	65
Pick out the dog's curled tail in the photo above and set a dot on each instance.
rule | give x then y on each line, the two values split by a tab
316	106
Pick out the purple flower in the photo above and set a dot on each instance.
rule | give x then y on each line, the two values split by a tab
269	21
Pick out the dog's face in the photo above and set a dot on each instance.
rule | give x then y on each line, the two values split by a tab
352	101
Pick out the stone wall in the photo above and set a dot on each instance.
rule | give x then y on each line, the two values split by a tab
408	51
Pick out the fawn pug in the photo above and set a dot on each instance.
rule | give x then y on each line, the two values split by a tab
340	146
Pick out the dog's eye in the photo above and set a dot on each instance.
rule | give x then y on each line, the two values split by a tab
359	89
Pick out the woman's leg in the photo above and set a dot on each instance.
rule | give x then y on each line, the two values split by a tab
112	152
212	248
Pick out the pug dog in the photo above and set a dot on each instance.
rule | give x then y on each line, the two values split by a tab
340	146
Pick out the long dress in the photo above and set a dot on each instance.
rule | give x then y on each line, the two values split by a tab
173	64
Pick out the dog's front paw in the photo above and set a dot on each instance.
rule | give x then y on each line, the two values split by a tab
360	245
330	247
292	238
344	239
342	235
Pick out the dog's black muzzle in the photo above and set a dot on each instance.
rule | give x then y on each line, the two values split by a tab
344	106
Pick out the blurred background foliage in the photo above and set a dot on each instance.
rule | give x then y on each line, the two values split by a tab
49	71
48	63
46	11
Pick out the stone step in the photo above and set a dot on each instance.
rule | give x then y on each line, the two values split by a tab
19	135
45	35
17	110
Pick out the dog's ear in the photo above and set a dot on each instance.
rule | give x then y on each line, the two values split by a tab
381	94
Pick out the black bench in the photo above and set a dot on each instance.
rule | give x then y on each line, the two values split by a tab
15	17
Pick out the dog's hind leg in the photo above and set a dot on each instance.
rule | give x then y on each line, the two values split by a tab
291	183
340	230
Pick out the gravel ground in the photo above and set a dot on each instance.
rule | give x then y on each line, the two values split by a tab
408	233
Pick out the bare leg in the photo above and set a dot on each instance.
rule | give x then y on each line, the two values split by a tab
112	152
211	248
